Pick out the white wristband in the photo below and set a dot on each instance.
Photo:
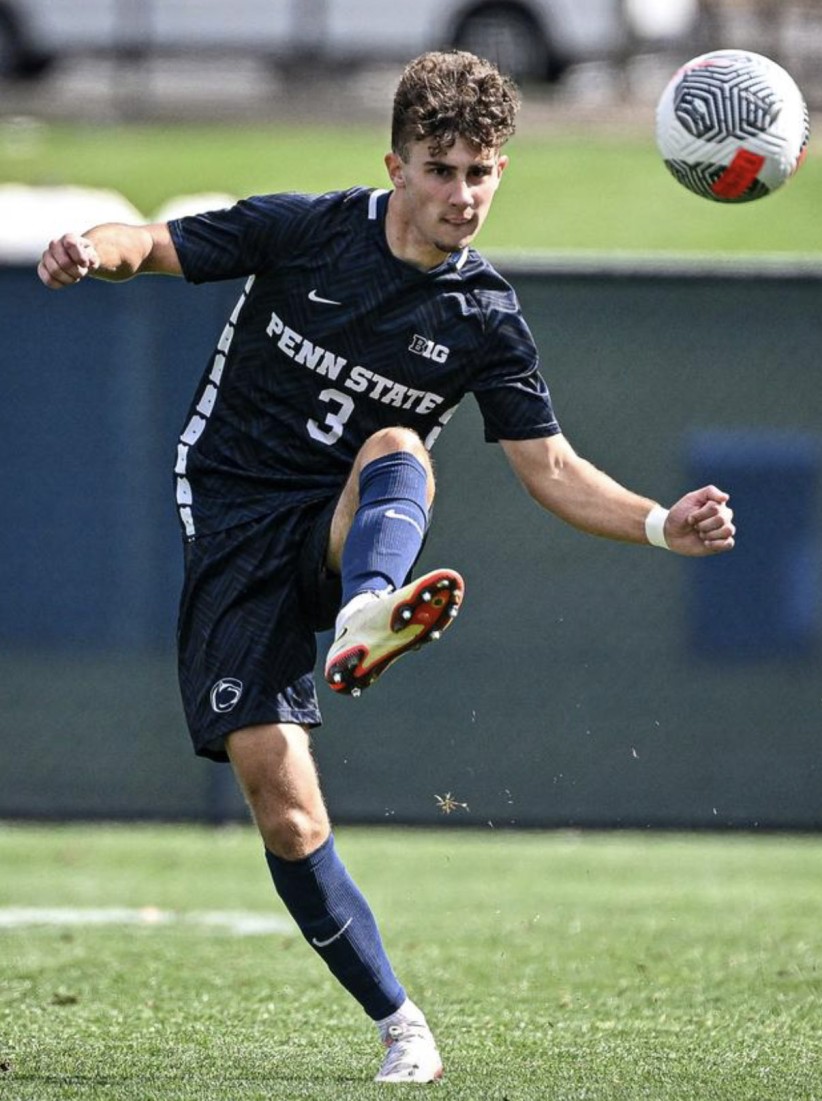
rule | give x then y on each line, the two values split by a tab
655	527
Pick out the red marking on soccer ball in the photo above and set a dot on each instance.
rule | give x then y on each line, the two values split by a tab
739	175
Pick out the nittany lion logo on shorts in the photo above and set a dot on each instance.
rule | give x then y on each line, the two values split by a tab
225	694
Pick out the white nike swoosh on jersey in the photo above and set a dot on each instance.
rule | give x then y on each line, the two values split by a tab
325	943
314	297
392	515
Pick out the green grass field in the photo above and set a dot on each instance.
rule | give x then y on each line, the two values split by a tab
588	192
554	967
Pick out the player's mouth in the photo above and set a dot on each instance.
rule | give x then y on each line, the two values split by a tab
457	232
461	228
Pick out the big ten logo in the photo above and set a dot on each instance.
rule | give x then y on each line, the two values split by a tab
420	346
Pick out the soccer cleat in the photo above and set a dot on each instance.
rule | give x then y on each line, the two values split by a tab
412	1054
389	624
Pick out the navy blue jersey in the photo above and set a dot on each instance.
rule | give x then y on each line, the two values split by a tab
332	339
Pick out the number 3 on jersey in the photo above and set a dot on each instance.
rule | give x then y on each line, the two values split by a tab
342	406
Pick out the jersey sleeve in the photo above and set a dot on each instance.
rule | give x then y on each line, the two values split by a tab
513	396
245	239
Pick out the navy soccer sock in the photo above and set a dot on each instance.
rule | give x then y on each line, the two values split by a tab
337	922
389	525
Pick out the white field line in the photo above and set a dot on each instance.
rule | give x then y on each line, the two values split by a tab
239	923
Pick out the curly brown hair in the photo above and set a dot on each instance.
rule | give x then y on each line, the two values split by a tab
443	96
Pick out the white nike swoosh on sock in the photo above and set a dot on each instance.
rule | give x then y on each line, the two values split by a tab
392	515
325	943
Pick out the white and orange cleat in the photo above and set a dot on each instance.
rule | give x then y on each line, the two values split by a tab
375	629
412	1054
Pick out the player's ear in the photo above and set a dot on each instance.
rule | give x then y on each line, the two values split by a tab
394	164
502	164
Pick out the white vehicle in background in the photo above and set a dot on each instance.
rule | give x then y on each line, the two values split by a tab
531	39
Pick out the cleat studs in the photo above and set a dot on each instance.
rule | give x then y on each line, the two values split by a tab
435	636
402	618
453	611
444	583
425	596
356	693
337	678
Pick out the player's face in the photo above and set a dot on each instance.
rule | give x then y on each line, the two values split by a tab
442	198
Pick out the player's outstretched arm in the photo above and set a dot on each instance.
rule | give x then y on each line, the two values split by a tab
699	524
112	251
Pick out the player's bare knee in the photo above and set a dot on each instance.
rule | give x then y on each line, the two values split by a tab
294	833
388	441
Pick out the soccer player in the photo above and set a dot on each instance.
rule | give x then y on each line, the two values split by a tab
304	483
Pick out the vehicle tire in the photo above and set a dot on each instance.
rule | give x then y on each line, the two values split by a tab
510	36
9	46
17	62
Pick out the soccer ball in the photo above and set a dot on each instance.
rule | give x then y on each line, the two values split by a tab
732	126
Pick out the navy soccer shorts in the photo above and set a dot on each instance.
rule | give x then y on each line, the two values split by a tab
253	598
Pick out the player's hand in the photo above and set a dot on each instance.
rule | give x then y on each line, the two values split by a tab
67	260
701	523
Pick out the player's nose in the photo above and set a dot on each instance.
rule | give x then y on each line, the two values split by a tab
461	194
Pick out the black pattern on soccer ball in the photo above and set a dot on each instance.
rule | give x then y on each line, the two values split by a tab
701	178
726	99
